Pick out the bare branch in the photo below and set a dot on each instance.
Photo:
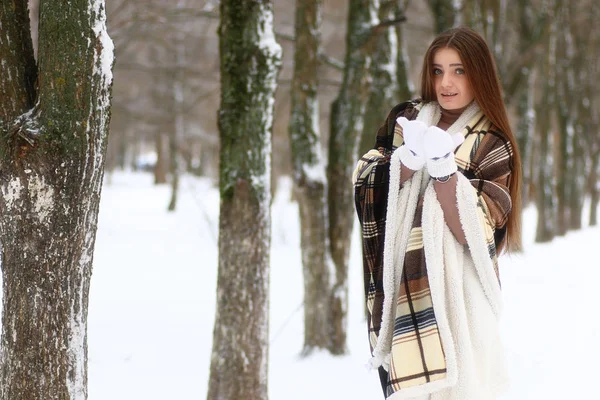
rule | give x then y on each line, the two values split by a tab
331	62
285	36
390	22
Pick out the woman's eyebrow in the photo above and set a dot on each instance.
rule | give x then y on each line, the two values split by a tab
451	65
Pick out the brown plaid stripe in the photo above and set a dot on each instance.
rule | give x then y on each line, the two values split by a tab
484	158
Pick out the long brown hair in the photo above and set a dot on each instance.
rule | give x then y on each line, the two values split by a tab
480	70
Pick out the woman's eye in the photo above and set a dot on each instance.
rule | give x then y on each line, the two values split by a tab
460	71
437	71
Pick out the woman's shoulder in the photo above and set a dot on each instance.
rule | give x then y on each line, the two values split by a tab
491	144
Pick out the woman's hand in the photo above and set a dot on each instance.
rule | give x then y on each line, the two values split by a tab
438	147
412	153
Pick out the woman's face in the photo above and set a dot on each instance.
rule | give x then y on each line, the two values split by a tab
452	87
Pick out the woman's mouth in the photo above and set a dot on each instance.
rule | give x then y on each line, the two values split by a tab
449	94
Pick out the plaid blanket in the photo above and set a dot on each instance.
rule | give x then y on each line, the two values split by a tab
485	160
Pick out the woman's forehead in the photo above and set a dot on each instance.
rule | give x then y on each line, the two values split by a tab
446	56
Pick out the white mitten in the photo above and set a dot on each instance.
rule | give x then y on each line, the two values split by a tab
412	153
439	148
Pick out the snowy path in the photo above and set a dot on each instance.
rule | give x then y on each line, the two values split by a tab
153	296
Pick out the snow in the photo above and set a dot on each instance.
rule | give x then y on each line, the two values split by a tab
12	191
41	196
272	52
106	57
153	292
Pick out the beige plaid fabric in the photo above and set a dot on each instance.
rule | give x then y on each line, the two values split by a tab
485	159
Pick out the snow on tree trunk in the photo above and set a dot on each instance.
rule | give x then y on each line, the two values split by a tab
52	148
309	178
250	61
347	121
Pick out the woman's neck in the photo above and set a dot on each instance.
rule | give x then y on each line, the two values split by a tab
449	117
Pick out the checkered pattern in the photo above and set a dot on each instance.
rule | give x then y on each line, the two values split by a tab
485	159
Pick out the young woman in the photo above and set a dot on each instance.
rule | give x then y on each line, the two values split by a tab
438	199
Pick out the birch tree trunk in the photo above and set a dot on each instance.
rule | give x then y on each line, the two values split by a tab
250	61
309	179
347	121
53	135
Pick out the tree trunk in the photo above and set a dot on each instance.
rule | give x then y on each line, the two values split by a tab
405	86
576	186
250	60
52	149
178	131
160	167
347	121
564	161
444	13
383	91
526	131
566	111
545	192
309	178
594	189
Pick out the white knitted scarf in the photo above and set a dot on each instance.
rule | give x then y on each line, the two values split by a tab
464	288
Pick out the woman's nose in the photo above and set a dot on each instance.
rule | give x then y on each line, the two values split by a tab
446	80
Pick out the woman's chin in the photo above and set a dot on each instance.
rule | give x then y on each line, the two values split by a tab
450	103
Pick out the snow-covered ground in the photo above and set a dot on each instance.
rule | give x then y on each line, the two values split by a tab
152	305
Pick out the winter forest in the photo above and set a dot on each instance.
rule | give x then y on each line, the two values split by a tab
177	214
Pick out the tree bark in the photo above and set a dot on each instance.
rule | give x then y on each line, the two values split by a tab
52	154
178	132
160	167
405	87
566	110
384	87
309	178
250	61
347	121
545	189
594	189
525	133
444	14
